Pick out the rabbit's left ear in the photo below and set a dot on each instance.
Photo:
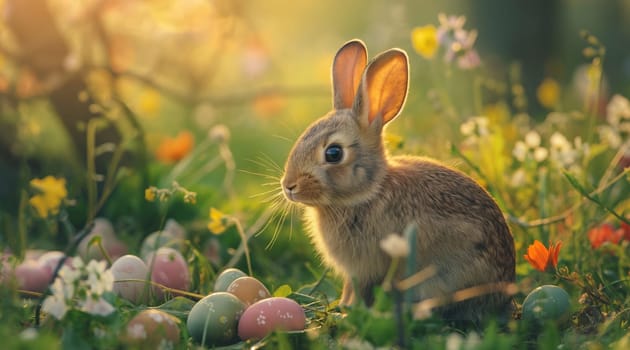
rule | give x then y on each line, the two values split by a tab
383	89
347	68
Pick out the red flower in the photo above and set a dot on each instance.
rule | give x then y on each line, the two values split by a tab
540	257
172	150
606	233
626	231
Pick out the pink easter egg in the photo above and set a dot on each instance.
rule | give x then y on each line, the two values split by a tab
168	268
271	314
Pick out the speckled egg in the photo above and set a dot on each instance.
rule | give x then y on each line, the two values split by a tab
248	289
225	278
130	267
271	314
217	315
547	302
169	269
152	329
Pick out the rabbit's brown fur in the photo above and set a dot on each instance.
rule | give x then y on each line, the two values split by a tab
355	202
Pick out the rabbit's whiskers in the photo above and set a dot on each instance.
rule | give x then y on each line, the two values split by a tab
282	209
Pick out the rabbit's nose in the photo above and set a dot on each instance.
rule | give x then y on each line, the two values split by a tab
289	187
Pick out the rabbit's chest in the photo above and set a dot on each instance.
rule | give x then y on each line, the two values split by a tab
351	241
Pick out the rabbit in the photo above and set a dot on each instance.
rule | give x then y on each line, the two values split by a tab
355	194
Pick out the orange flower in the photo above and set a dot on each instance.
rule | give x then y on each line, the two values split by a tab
173	149
605	233
540	257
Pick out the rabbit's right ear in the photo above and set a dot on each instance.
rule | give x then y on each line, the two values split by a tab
383	90
347	69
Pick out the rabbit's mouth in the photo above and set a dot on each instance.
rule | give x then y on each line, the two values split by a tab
301	191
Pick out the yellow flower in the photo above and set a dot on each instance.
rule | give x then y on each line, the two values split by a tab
218	221
51	192
150	101
149	194
424	40
548	93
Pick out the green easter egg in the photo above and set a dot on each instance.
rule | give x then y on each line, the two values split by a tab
546	302
217	316
226	278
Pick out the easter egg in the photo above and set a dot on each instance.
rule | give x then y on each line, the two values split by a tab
175	229
50	260
169	269
152	329
226	278
160	239
546	302
112	245
130	267
269	315
217	316
248	289
32	276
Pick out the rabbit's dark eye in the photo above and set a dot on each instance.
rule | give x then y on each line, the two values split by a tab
333	154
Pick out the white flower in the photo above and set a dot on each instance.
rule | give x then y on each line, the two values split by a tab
29	334
519	178
55	305
540	154
467	128
520	151
609	135
70	274
395	246
482	126
98	307
99	280
532	139
559	142
77	263
617	110
454	341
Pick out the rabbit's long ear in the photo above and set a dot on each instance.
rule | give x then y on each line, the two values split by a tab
347	68
383	89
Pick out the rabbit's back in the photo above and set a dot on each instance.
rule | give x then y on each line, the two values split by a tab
462	231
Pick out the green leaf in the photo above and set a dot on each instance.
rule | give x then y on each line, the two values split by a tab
283	291
178	307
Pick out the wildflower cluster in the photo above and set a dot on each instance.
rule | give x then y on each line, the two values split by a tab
530	148
80	287
451	36
608	234
616	132
562	153
474	129
152	193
